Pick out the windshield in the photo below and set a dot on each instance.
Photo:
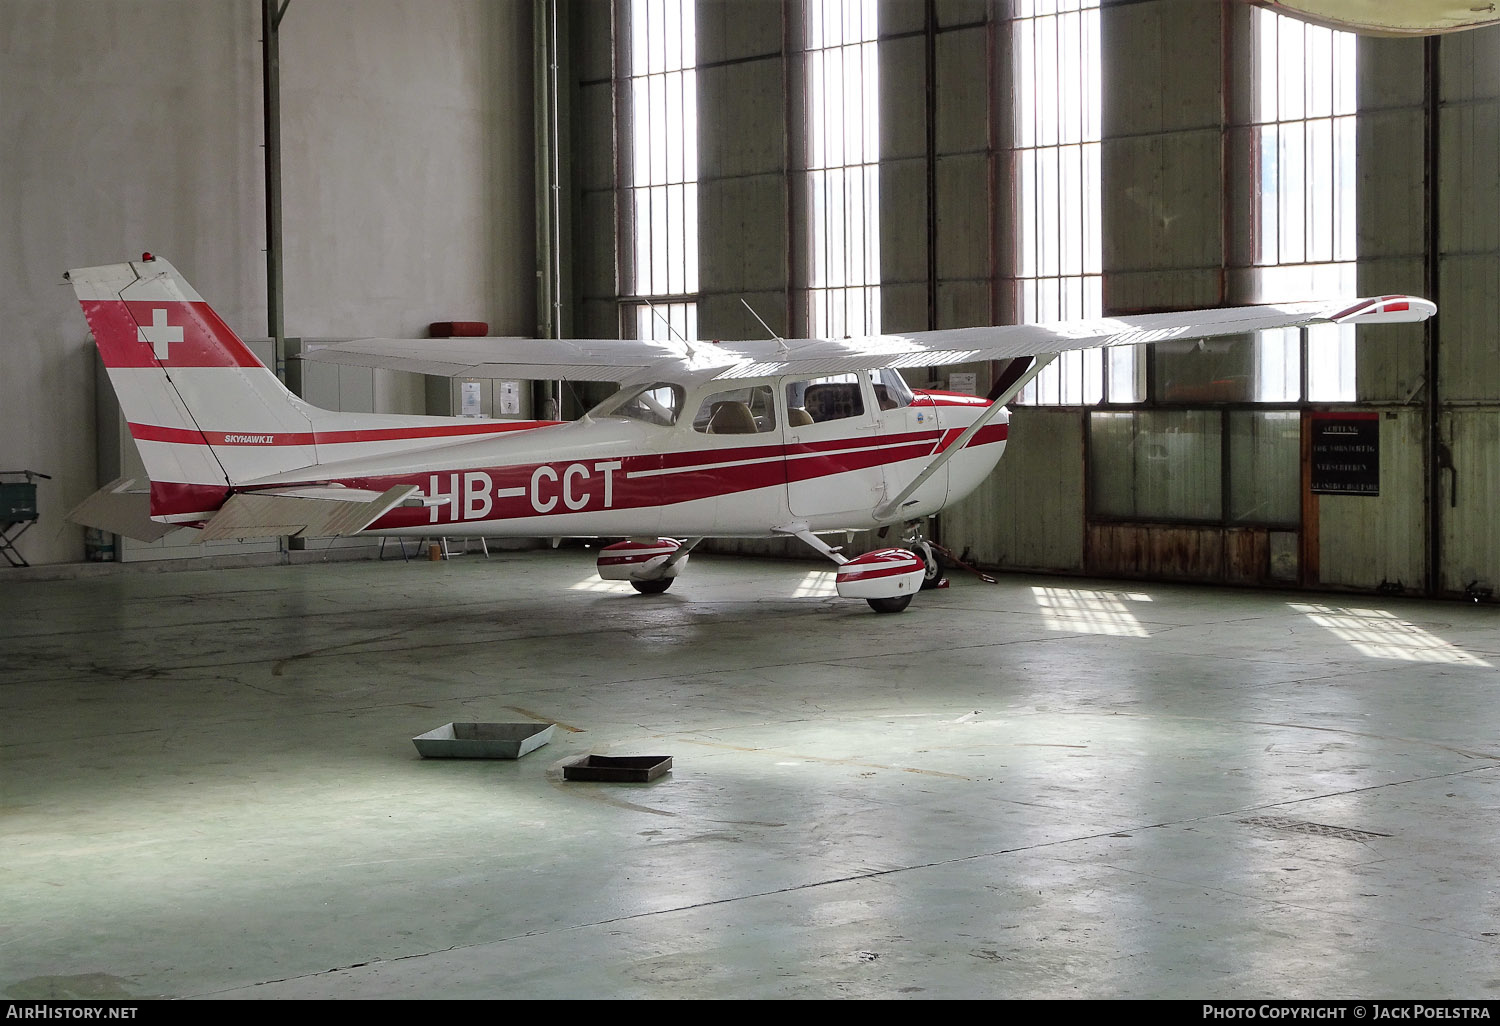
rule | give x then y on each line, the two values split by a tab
891	388
657	403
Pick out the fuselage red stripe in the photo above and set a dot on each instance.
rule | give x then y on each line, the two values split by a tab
875	572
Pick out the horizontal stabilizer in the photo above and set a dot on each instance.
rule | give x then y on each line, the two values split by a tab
311	512
121	508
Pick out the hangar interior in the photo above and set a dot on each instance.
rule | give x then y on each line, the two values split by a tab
1286	786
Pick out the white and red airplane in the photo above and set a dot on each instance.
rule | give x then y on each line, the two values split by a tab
776	438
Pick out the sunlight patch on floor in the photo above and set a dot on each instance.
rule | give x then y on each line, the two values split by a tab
817	584
1382	635
1088	612
592	583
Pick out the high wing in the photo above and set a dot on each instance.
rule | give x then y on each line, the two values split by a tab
577	359
639	360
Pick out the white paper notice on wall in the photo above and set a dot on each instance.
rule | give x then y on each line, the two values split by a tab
510	398
963	382
470	404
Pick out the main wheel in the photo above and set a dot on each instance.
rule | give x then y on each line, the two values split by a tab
890	605
655	587
934	576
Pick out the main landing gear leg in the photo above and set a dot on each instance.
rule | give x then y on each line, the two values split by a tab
649	565
666	575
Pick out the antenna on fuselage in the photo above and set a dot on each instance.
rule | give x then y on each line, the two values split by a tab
780	342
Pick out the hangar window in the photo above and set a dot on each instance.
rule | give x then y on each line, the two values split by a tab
1057	198
659	118
1303	141
1233	467
843	168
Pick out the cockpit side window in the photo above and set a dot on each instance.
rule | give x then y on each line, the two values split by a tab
823	399
657	403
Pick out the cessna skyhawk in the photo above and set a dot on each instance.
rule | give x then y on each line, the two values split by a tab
777	438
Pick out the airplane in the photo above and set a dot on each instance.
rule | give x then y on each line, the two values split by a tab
751	439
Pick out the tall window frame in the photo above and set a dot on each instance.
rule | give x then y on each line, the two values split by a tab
842	166
1303	138
1058	194
659	170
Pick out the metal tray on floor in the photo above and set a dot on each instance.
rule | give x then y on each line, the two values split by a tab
617	768
483	740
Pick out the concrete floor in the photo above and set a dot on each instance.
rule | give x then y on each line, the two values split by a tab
1032	789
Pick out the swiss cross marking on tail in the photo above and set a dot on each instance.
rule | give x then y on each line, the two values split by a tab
160	333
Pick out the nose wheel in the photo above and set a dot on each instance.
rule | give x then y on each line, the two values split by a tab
655	587
935	577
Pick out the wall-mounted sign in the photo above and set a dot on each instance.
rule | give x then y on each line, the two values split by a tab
510	398
1346	453
964	382
470	403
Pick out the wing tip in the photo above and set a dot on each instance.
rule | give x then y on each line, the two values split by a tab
1386	310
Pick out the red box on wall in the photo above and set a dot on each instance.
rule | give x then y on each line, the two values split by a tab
459	329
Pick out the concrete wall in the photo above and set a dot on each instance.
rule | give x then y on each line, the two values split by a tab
592	132
128	127
136	125
743	169
408	175
1163	155
1468	327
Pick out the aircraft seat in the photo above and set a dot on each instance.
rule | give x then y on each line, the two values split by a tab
731	418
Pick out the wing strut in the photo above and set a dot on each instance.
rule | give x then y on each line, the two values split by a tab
884	510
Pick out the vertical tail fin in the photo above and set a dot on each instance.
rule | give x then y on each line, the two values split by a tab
204	412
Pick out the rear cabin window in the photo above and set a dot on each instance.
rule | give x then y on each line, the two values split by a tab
743	411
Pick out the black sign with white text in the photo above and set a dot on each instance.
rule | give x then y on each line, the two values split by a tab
1346	453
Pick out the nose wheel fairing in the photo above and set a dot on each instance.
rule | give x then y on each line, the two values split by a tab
886	578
